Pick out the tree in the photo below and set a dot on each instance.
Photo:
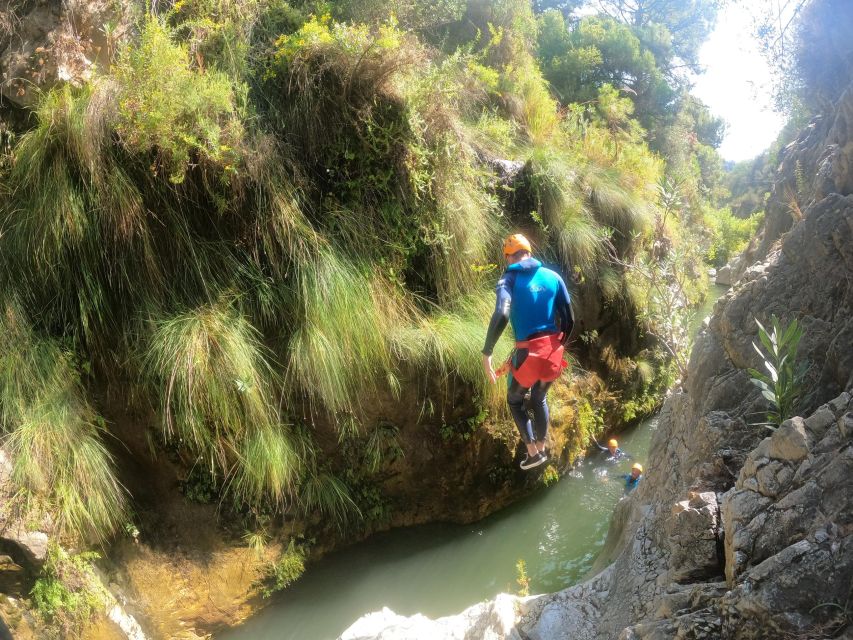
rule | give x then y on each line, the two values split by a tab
687	23
808	47
579	59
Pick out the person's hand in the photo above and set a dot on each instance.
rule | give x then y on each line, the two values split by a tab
487	367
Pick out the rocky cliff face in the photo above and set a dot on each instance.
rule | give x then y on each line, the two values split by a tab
737	532
43	42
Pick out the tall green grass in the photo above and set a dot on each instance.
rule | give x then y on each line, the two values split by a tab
338	351
53	436
259	259
446	344
214	379
565	211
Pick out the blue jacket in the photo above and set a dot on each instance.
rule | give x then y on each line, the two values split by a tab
534	299
631	482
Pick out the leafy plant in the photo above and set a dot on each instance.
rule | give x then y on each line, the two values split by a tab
165	105
782	385
285	571
521	578
383	443
68	593
550	476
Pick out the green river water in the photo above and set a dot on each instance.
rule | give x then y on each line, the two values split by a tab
439	570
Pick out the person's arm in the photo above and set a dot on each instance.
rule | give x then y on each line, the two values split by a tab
564	311
500	316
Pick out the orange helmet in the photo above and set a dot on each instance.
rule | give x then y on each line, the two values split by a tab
612	443
515	243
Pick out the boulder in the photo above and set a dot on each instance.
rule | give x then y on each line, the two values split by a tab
724	276
692	533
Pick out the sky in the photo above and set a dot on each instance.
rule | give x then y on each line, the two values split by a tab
735	85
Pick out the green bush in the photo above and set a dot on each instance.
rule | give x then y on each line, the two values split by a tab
729	234
67	593
53	435
255	260
782	385
165	106
285	571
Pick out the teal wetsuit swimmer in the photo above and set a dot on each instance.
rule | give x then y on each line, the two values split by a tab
536	302
633	479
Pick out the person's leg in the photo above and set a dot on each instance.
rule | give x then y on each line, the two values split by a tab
539	406
515	399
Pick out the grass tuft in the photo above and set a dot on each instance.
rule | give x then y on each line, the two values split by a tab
53	436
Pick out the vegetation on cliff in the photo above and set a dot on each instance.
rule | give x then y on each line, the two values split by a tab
264	218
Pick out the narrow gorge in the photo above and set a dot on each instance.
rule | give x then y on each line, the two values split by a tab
248	256
736	532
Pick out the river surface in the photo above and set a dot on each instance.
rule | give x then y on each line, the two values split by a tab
439	570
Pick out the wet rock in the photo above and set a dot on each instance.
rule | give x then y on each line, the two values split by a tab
13	577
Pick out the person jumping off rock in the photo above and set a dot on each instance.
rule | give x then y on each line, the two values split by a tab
537	304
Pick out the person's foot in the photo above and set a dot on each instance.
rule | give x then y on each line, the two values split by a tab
533	461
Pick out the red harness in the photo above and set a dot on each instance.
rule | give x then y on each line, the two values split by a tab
544	360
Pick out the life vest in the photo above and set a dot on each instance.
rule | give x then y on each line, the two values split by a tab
544	360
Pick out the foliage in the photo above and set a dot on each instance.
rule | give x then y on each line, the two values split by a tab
675	28
589	420
522	579
730	235
782	384
324	493
652	379
285	571
805	45
463	429
200	485
166	106
269	216
579	60
257	541
54	436
67	592
550	476
342	339
382	444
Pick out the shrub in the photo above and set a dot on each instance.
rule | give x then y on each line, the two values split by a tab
167	107
53	436
522	579
285	571
782	385
68	593
729	234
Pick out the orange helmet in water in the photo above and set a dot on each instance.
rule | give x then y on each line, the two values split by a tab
612	443
637	467
515	243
